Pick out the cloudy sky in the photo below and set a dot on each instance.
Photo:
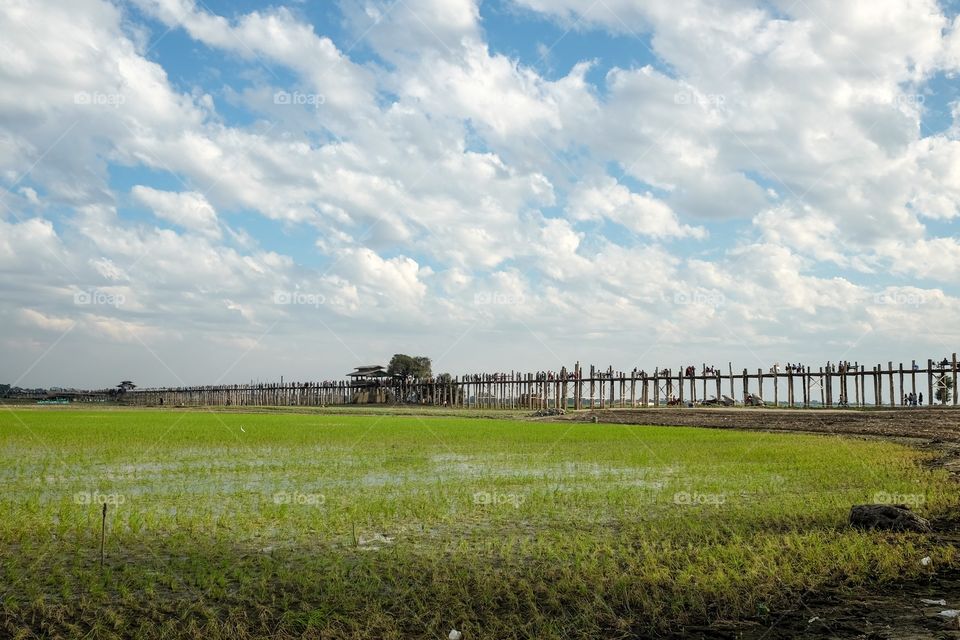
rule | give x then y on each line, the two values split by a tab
220	191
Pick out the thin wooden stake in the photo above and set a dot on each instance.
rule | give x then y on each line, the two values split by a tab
103	532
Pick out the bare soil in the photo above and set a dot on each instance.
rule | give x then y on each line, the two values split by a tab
919	423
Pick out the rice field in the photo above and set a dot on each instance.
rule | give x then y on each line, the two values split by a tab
233	525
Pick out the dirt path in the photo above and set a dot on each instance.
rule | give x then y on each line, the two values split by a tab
898	611
926	424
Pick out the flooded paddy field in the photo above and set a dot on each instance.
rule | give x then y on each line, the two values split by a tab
271	525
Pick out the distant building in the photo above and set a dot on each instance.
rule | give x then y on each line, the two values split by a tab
371	372
371	389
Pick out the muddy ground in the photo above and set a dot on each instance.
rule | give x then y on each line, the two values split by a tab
895	612
926	424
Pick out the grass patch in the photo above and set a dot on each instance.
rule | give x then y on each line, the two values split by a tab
231	525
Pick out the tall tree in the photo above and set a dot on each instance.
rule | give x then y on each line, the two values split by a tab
409	366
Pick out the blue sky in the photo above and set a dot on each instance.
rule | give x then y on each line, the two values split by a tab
497	184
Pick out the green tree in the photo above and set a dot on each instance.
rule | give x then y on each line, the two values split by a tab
4	390
945	390
409	366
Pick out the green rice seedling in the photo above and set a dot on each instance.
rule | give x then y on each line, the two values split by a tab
401	526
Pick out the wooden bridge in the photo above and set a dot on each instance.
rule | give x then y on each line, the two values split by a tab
832	385
60	395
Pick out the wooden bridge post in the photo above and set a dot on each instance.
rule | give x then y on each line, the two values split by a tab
656	387
576	366
804	380
592	384
863	384
601	388
776	386
823	389
760	383
829	383
844	396
902	403
856	386
954	379
929	383
680	374
913	378
703	370
878	377
790	398
578	387
893	400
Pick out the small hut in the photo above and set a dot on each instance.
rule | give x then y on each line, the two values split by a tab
371	385
370	372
